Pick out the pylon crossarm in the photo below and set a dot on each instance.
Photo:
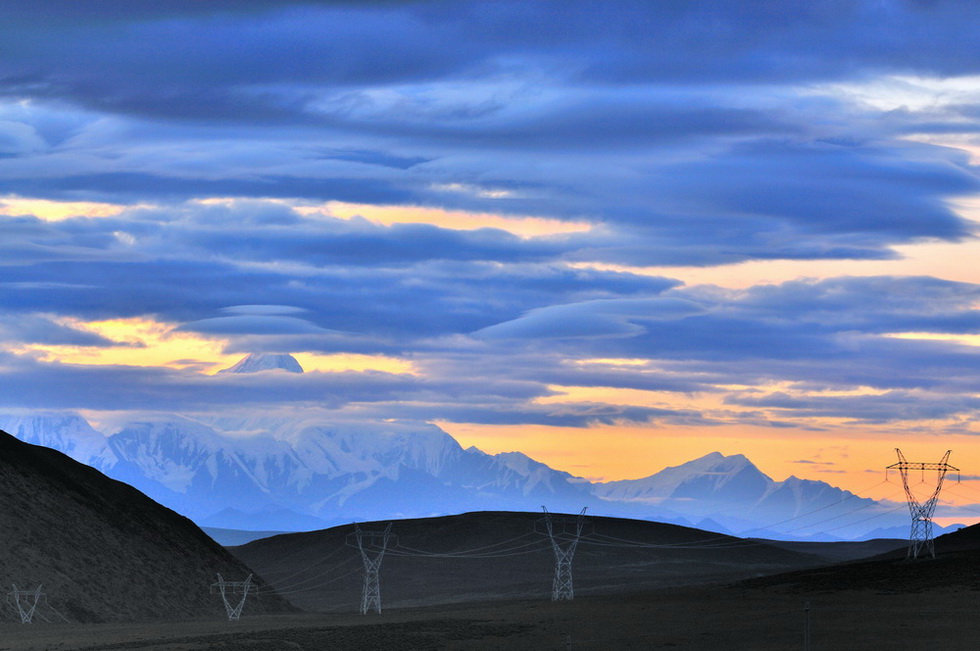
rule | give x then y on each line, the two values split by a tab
922	466
903	464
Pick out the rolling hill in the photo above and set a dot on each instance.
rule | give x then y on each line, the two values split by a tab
953	568
488	556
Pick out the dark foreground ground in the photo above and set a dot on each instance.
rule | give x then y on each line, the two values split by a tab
734	617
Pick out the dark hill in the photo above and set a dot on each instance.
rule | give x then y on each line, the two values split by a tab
954	567
502	555
102	550
964	539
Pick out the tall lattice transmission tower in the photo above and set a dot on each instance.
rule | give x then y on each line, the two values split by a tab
233	589
920	537
372	545
564	533
25	601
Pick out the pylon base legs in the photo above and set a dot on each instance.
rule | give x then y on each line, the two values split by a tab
562	587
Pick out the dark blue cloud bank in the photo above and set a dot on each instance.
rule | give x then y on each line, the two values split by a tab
683	134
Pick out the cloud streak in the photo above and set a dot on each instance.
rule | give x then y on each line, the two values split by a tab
682	135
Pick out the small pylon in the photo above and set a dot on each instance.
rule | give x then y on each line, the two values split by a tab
25	601
920	536
564	533
232	588
372	545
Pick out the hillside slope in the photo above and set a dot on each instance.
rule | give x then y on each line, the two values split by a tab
953	568
102	550
492	555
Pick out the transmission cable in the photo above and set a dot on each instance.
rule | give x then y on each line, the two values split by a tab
464	552
309	567
289	587
500	553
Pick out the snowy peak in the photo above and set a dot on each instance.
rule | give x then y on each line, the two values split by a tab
715	463
712	476
66	432
372	449
519	462
256	362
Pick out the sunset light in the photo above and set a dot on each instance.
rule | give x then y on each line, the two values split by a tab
404	259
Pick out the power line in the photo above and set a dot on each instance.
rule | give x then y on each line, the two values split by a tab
318	586
467	553
531	547
294	587
309	567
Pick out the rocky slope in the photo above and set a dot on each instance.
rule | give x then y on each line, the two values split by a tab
102	550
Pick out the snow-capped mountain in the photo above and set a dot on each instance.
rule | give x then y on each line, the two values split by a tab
296	473
266	472
256	362
66	432
732	494
713	477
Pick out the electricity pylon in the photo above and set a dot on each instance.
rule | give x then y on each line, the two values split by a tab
372	545
920	537
25	601
227	588
564	533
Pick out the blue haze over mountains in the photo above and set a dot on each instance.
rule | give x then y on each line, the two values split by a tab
290	474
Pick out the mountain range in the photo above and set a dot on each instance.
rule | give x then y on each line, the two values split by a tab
303	473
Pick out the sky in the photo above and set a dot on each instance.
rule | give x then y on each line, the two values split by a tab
615	236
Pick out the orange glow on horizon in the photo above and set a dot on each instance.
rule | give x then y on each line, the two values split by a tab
851	458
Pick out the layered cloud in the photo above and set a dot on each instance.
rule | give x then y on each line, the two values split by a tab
183	164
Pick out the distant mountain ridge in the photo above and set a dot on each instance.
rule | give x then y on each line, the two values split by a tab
307	470
729	494
303	474
300	473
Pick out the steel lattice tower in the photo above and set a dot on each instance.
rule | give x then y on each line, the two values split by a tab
225	588
372	545
25	601
564	534
920	537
